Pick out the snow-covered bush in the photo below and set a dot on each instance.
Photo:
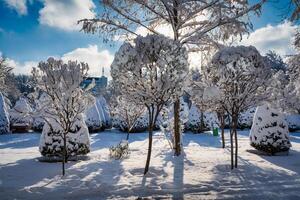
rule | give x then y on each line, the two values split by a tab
93	119
246	118
38	124
119	151
269	131
128	116
210	120
293	122
20	113
104	111
37	103
97	116
4	119
167	117
194	122
140	125
51	141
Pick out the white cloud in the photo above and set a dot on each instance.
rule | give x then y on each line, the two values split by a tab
278	38
18	5
65	14
94	57
21	68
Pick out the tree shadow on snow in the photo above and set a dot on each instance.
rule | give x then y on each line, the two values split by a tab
18	141
249	181
295	137
17	177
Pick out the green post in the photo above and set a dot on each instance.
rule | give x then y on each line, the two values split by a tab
215	132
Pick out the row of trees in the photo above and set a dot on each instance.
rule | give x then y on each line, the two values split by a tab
235	80
197	25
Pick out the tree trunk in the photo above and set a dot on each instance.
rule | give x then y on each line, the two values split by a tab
64	154
202	122
231	147
127	137
222	130
177	146
235	121
149	148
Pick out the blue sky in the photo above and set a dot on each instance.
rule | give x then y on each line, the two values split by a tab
33	30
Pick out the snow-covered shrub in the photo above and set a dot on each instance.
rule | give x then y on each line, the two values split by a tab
194	121
246	118
140	125
20	113
210	120
293	122
119	151
51	142
93	119
167	117
269	131
4	119
38	101
104	112
38	124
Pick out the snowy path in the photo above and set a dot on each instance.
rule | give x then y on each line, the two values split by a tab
202	173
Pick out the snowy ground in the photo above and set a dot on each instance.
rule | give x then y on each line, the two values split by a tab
202	173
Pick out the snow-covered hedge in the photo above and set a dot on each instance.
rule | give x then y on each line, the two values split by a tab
4	119
293	122
104	111
210	120
38	124
140	125
269	131
20	113
93	119
246	118
97	117
51	142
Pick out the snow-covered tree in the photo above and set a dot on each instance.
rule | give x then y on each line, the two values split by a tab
4	119
275	61
199	25
64	103
291	92
21	113
241	76
205	96
127	113
269	132
150	72
4	72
